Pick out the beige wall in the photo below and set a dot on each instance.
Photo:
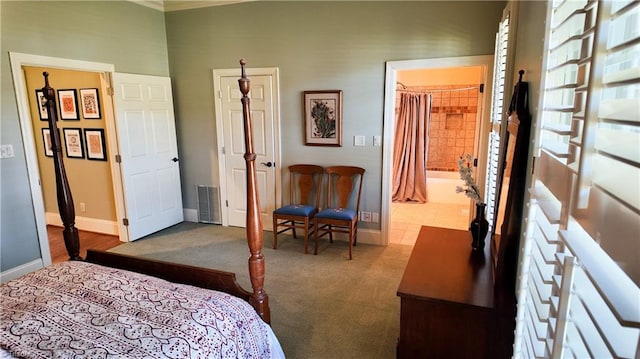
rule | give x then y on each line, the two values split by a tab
90	180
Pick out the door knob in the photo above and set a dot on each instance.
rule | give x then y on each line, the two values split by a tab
268	164
175	159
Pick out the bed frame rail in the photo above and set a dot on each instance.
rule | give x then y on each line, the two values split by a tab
178	273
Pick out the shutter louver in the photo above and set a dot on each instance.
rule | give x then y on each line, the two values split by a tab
578	295
497	106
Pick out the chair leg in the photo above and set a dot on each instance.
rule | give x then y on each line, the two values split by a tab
293	228
350	244
315	232
355	234
275	233
330	234
306	235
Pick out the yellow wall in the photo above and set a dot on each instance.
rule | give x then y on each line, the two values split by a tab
440	76
90	180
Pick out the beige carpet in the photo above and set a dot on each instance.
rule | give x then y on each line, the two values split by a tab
323	306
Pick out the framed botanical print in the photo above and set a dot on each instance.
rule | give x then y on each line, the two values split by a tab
323	118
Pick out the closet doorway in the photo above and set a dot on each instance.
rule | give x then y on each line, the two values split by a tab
453	98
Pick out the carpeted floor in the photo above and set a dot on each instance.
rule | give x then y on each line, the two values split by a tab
323	306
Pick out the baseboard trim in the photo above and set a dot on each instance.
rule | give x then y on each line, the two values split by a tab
366	236
21	270
190	215
86	224
370	236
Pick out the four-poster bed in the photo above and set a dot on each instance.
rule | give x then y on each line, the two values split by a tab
116	305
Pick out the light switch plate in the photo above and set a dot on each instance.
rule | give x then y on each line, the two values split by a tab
358	141
6	151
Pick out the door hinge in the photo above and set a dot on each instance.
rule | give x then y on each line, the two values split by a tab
475	162
533	165
110	91
481	88
226	202
118	159
219	93
222	149
125	221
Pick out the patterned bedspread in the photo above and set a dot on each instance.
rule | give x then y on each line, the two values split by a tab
83	310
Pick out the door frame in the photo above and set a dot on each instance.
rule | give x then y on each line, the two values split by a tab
17	61
274	72
482	131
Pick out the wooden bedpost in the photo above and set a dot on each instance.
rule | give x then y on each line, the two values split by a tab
259	298
65	199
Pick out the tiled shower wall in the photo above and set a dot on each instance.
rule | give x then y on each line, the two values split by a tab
453	124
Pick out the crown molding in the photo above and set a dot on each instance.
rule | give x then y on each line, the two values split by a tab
154	4
176	5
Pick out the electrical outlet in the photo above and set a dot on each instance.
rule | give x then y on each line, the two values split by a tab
375	217
83	208
365	216
377	141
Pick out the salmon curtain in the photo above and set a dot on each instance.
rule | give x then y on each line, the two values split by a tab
410	145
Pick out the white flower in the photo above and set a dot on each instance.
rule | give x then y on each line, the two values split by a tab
470	188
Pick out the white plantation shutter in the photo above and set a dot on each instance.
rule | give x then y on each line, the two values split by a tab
578	295
497	113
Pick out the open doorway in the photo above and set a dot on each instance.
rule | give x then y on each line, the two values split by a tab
18	62
450	119
459	107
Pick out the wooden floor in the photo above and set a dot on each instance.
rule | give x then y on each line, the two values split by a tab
87	240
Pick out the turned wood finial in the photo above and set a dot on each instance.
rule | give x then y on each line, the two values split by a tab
48	91
244	81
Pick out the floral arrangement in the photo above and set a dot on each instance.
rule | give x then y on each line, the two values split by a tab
470	188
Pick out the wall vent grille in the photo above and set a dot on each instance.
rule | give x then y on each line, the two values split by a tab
209	205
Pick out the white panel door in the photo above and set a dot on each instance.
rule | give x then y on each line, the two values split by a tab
262	114
147	139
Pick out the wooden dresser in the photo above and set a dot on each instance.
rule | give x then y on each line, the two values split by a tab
447	299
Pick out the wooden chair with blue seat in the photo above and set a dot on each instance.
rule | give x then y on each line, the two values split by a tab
304	199
344	185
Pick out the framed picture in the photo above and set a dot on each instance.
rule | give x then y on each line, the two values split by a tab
323	118
90	104
41	103
47	141
94	139
73	142
68	102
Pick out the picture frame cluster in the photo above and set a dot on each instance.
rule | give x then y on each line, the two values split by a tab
78	142
68	104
